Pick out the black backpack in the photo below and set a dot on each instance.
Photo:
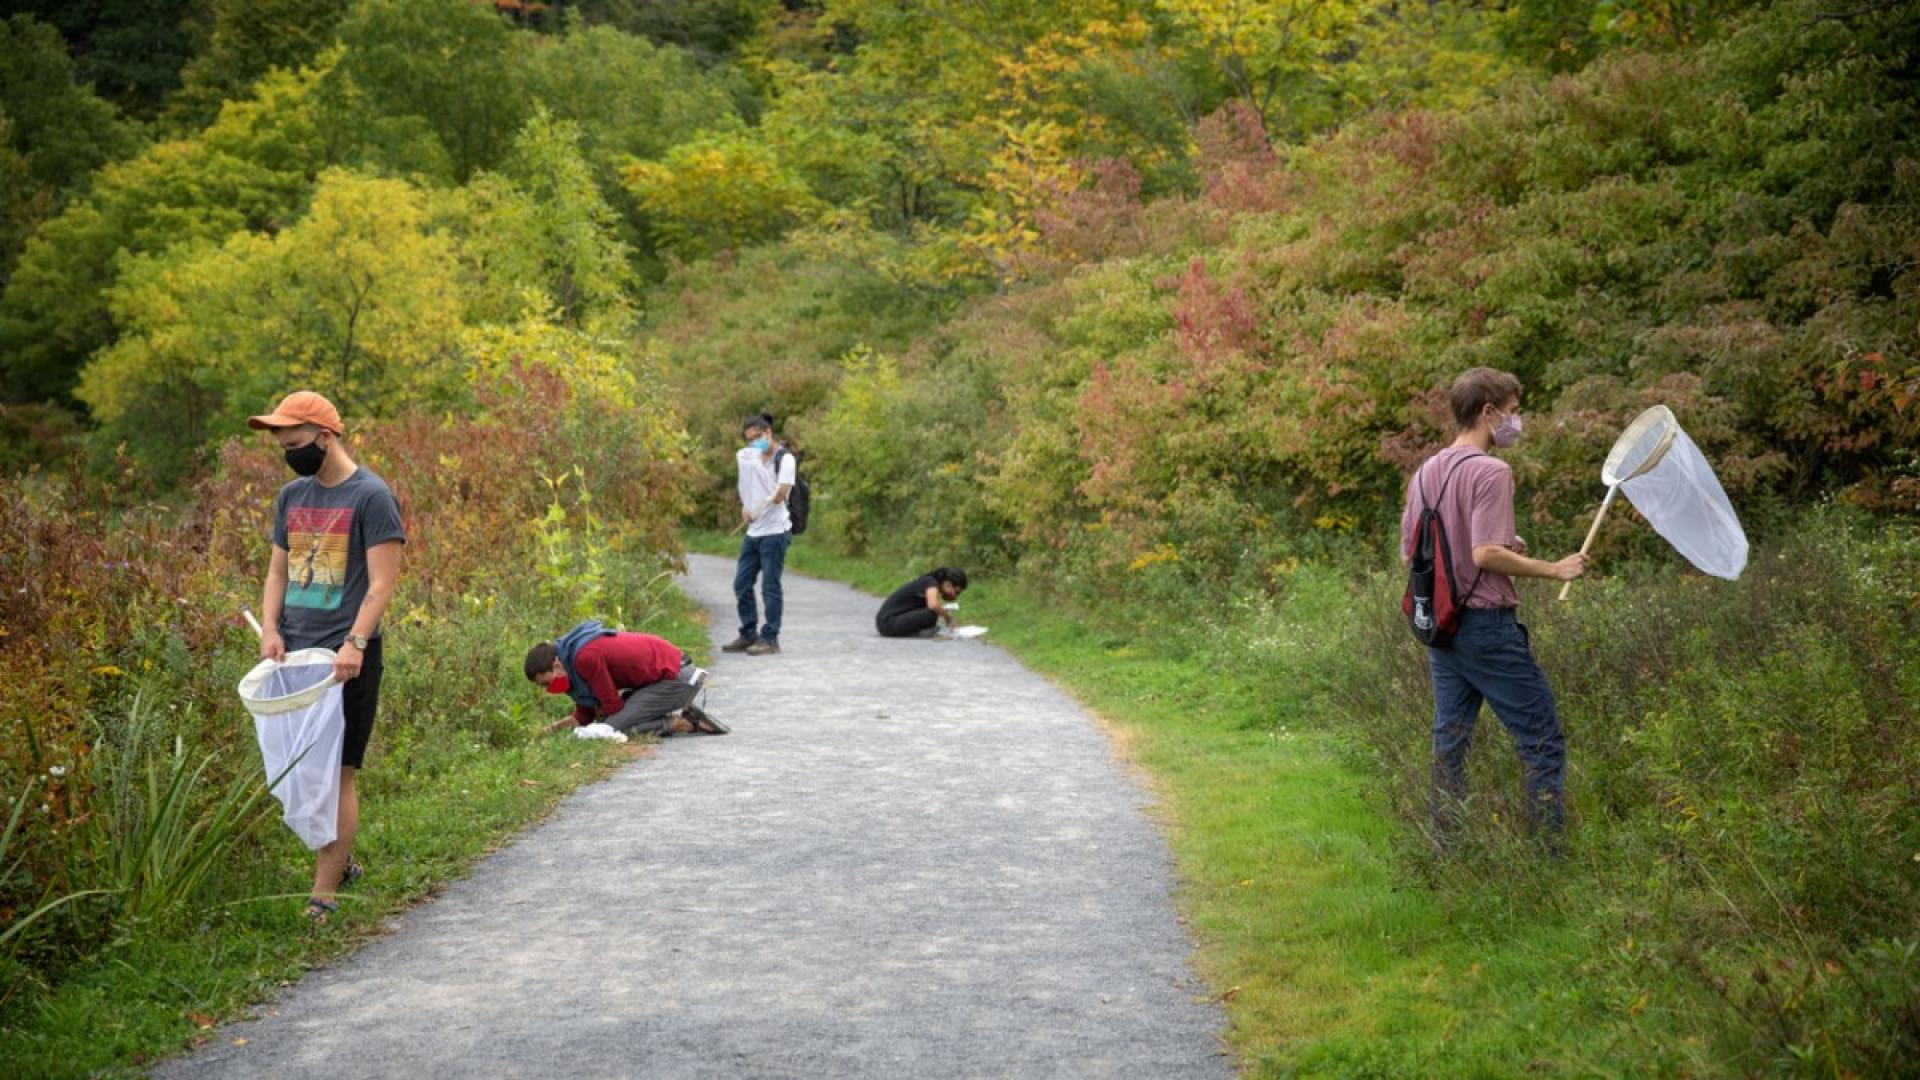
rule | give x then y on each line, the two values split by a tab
1432	610
800	499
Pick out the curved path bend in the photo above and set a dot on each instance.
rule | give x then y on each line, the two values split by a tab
911	859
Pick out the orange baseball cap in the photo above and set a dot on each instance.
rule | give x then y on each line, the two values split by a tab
299	407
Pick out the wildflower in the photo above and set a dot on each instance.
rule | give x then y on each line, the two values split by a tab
56	771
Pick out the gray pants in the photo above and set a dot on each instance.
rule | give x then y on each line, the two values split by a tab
647	707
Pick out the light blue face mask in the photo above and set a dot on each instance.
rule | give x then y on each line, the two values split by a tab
762	444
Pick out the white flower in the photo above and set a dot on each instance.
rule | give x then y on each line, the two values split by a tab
57	771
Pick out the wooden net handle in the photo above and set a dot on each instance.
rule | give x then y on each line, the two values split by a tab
1586	545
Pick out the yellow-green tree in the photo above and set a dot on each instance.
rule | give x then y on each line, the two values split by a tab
717	191
252	169
1276	54
541	225
360	300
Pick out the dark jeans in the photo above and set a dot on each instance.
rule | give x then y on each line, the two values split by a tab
646	708
761	557
1491	660
906	623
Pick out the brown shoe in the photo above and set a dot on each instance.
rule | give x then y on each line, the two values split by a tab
763	648
739	644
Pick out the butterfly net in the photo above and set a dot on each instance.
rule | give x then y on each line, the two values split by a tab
300	720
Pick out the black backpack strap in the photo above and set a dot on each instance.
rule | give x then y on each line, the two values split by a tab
1420	482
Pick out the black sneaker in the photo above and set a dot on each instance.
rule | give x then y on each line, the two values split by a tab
702	723
763	647
739	644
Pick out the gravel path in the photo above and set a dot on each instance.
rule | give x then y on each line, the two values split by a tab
911	859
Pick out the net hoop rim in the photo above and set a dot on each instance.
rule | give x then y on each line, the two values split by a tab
255	679
1658	415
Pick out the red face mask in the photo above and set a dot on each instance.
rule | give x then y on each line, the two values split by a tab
559	684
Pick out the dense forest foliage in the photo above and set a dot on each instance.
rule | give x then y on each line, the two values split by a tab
1148	303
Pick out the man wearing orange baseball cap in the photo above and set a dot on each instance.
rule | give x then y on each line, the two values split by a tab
337	537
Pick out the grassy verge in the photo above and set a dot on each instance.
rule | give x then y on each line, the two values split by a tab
1334	947
453	772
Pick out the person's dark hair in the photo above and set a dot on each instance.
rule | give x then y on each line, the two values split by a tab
1477	388
757	422
541	657
947	575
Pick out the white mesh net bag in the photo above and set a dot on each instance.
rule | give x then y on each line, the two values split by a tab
1683	500
1669	481
300	720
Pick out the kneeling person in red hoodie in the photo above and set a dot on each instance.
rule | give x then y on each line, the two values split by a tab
637	684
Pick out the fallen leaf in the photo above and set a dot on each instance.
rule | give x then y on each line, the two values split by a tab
529	783
239	1042
200	1020
1230	993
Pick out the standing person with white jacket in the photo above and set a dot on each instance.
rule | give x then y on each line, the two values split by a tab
767	473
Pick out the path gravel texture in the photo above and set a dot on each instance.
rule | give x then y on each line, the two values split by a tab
911	859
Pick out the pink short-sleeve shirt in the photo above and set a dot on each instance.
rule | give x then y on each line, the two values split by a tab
1476	508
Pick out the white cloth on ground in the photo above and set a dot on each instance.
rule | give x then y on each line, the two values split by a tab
599	731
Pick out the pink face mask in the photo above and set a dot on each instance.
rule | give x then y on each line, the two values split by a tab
559	684
1507	431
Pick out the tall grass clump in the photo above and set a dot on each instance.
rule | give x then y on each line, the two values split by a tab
164	817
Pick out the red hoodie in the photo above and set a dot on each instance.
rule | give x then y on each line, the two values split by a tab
623	661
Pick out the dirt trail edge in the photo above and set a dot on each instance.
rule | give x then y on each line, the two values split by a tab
911	858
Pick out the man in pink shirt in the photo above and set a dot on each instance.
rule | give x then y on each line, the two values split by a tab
1490	658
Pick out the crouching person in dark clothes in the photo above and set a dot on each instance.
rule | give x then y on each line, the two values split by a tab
920	606
637	684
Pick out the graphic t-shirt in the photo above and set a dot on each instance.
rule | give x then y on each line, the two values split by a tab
1476	508
909	597
326	532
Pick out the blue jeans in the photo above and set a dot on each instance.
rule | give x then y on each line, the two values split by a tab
1491	660
761	557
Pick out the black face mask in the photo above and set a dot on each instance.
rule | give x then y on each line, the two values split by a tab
306	460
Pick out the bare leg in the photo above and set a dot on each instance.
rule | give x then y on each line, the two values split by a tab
331	861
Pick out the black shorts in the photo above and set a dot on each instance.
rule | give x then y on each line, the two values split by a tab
360	697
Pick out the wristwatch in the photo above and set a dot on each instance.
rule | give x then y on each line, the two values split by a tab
358	641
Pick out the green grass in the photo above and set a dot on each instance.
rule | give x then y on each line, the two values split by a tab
450	777
1330	959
